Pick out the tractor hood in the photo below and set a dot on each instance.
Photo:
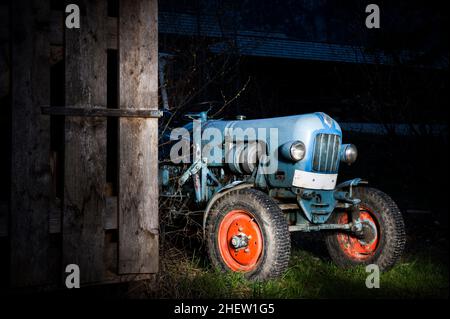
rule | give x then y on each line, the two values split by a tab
320	134
290	128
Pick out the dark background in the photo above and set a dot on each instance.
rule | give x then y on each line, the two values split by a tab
411	166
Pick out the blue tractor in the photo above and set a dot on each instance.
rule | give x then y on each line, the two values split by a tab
258	180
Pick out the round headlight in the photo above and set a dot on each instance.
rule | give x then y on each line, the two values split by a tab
350	154
297	151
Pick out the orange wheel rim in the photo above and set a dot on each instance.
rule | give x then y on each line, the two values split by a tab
357	248
240	224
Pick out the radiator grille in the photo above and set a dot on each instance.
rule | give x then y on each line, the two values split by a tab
326	153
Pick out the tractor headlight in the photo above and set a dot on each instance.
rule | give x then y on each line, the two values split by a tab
297	151
349	153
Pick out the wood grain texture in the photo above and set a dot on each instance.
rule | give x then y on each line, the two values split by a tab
57	29
85	144
31	252
5	86
138	151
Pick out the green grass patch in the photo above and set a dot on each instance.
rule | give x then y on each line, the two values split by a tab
308	276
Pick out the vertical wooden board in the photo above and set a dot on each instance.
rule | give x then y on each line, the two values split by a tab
31	254
4	212
85	144
138	138
5	86
4	53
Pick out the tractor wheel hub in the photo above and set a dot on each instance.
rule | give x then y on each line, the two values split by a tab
240	241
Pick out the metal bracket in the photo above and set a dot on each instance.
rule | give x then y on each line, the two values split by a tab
200	180
193	169
98	111
309	228
351	183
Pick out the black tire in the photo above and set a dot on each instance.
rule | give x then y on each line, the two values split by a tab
390	227
274	255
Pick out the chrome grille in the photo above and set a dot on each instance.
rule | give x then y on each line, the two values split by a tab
326	153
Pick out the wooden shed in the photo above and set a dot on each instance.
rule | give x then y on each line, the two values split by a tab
82	161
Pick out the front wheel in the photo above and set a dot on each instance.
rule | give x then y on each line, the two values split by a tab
383	232
247	232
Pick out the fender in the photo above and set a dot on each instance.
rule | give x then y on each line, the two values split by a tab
350	184
220	193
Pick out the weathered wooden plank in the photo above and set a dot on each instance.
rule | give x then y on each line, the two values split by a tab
57	30
54	218
138	150
4	52
110	219
5	86
85	145
98	111
31	253
4	23
57	27
4	214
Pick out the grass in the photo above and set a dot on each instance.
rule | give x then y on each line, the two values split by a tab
422	272
308	276
185	273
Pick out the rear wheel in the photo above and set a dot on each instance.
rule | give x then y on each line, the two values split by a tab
382	239
247	232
